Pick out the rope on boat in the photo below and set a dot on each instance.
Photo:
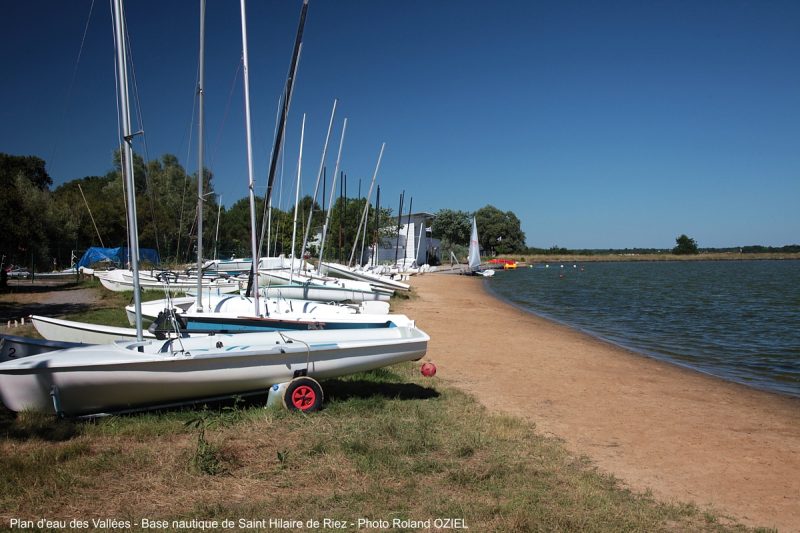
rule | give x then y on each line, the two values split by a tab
286	338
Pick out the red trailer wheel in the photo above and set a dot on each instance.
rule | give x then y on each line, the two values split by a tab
303	394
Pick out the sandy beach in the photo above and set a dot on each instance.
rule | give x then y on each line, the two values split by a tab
681	434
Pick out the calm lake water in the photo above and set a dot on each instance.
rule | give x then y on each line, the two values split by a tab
738	320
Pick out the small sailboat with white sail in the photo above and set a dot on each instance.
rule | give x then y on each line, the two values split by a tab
474	257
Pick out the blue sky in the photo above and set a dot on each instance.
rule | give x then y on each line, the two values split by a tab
600	124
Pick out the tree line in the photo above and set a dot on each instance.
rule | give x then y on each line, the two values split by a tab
45	229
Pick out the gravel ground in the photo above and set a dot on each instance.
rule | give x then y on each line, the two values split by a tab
43	297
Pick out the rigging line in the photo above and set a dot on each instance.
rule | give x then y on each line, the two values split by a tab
280	197
185	172
119	123
90	215
278	214
191	233
225	114
71	86
140	119
267	205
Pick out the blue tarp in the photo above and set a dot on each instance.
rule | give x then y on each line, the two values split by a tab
118	256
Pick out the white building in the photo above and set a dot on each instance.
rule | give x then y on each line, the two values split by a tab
412	245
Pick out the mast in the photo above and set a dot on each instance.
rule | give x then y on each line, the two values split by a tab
419	245
377	226
127	160
287	98
297	195
319	175
251	182
408	226
216	233
330	201
342	195
366	209
399	223
200	159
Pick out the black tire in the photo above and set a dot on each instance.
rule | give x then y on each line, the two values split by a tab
303	394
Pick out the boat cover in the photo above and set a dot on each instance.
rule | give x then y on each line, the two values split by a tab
118	256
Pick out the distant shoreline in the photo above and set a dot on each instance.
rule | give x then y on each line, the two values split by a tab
578	258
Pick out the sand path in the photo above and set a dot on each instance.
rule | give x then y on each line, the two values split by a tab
683	435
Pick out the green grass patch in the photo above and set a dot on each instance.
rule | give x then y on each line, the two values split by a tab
110	307
388	445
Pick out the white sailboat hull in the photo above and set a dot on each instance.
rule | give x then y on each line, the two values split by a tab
117	376
151	309
322	293
125	283
284	277
56	329
243	305
362	275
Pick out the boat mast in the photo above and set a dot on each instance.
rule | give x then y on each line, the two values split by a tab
366	210
250	174
297	196
330	200
200	160
377	227
127	160
419	245
399	223
408	226
216	233
319	175
287	98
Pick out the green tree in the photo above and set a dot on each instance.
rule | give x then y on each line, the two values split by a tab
25	214
498	231
31	167
452	226
105	203
685	246
234	229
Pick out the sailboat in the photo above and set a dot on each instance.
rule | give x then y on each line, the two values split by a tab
361	274
122	281
130	374
224	314
325	289
474	257
145	373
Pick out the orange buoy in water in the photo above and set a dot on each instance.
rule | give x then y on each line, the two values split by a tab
428	370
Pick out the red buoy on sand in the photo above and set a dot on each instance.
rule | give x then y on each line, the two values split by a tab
428	370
